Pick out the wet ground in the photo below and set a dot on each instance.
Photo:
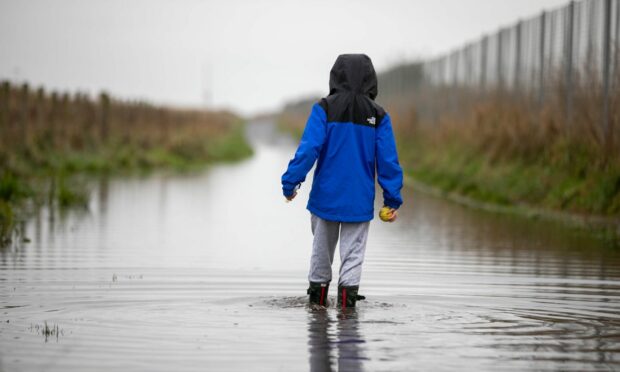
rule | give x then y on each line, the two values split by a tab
208	272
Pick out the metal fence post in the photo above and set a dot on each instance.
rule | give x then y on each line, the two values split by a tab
500	50
470	65
541	76
517	76
591	24
433	87
568	63
455	79
483	62
606	76
552	29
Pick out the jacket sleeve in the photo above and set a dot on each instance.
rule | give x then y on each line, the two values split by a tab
389	172
308	151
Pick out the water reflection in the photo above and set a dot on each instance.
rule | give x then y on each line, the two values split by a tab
350	342
206	265
335	341
320	340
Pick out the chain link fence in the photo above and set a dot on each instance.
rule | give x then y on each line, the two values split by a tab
548	59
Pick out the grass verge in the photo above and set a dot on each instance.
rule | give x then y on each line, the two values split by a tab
35	177
552	185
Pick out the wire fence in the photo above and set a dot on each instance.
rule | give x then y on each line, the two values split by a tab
556	55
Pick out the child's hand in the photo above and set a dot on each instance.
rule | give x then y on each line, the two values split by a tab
291	197
388	214
394	216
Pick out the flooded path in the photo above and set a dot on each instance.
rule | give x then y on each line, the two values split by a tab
208	272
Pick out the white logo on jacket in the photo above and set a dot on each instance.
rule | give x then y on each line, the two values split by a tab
371	120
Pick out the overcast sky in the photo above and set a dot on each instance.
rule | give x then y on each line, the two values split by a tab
246	55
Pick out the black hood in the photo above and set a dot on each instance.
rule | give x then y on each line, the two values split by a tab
352	92
353	73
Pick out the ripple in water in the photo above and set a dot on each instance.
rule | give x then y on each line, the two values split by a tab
207	271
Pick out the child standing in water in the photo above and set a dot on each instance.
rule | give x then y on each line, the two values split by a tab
350	136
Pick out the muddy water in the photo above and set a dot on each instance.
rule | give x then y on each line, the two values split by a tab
208	271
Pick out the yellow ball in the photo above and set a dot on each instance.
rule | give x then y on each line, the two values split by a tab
385	214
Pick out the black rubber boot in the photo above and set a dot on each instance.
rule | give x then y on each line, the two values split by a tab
347	296
318	293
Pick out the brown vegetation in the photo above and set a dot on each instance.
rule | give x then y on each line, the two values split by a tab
33	122
45	138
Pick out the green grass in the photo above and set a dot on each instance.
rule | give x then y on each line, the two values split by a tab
573	186
552	184
231	147
69	194
51	176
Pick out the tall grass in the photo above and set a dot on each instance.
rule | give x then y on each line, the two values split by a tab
32	123
45	137
512	147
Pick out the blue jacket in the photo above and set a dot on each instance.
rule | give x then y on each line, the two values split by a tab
352	139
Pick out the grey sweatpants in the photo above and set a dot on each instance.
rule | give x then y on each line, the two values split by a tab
352	248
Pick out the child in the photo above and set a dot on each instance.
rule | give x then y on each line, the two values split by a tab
351	136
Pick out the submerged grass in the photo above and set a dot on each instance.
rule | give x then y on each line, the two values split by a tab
47	330
47	140
58	185
54	181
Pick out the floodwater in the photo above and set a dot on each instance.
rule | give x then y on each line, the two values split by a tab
207	271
